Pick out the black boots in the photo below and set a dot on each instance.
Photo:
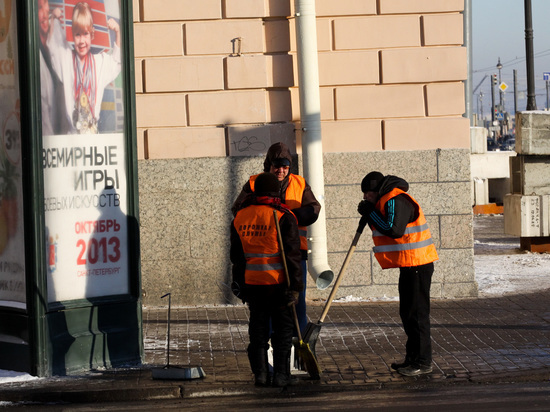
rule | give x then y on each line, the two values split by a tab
281	369
259	366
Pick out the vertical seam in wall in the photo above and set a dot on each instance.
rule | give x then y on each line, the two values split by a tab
187	110
425	96
383	133
422	34
146	144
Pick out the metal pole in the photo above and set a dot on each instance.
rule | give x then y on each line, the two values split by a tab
515	91
492	101
547	104
500	106
468	43
531	97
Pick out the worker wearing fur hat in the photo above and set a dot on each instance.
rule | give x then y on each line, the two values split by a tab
297	194
259	277
402	240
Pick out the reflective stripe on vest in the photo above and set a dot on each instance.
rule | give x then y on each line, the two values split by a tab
293	199
414	248
258	234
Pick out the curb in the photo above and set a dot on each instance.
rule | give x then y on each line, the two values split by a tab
113	390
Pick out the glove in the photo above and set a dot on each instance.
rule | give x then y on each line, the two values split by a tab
291	297
238	291
365	207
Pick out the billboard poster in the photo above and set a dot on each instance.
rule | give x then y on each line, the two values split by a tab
12	245
84	149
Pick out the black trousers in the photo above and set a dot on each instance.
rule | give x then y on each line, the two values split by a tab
414	310
270	317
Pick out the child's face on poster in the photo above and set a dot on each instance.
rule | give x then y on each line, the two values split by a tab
82	42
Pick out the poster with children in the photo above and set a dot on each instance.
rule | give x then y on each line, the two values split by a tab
12	239
84	148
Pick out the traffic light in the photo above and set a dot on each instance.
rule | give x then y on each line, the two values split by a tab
494	76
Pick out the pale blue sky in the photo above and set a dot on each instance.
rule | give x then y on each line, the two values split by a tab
498	30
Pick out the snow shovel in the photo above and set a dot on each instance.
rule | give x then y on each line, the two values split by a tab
303	352
311	333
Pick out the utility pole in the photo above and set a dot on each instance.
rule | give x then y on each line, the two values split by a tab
515	91
481	108
493	111
500	92
531	97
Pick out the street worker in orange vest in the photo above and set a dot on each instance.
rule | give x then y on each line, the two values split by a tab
402	240
296	193
259	277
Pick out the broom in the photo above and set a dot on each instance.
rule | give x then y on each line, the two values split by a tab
311	333
303	351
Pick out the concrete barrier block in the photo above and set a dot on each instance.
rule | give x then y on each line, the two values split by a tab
533	133
530	175
478	139
526	216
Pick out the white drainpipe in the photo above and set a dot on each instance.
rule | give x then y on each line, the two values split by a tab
312	147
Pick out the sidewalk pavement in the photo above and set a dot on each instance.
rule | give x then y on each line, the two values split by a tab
503	339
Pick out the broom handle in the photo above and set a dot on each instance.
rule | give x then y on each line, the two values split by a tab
340	276
280	239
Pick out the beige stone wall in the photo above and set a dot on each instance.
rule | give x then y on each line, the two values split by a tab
216	84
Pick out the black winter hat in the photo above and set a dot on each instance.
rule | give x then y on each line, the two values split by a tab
371	182
267	184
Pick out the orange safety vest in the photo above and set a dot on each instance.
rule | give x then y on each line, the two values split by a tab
414	248
293	199
256	228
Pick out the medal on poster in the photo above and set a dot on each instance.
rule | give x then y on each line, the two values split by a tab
85	90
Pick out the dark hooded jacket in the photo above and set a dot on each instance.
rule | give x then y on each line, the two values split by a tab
400	211
309	210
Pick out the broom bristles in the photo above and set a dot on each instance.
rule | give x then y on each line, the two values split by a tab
308	360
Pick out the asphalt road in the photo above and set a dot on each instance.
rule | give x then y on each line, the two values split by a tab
519	396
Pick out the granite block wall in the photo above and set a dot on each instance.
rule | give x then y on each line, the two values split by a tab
185	217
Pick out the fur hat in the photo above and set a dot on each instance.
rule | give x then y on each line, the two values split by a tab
267	184
371	182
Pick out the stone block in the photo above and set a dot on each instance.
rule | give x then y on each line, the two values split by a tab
443	198
326	94
427	133
259	71
344	7
527	216
165	10
455	265
141	149
138	69
530	175
424	64
277	36
254	140
324	34
161	110
227	107
443	29
456	231
533	133
352	136
376	32
420	6
480	191
225	37
178	74
453	165
375	102
348	67
445	99
146	39
175	143
478	140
